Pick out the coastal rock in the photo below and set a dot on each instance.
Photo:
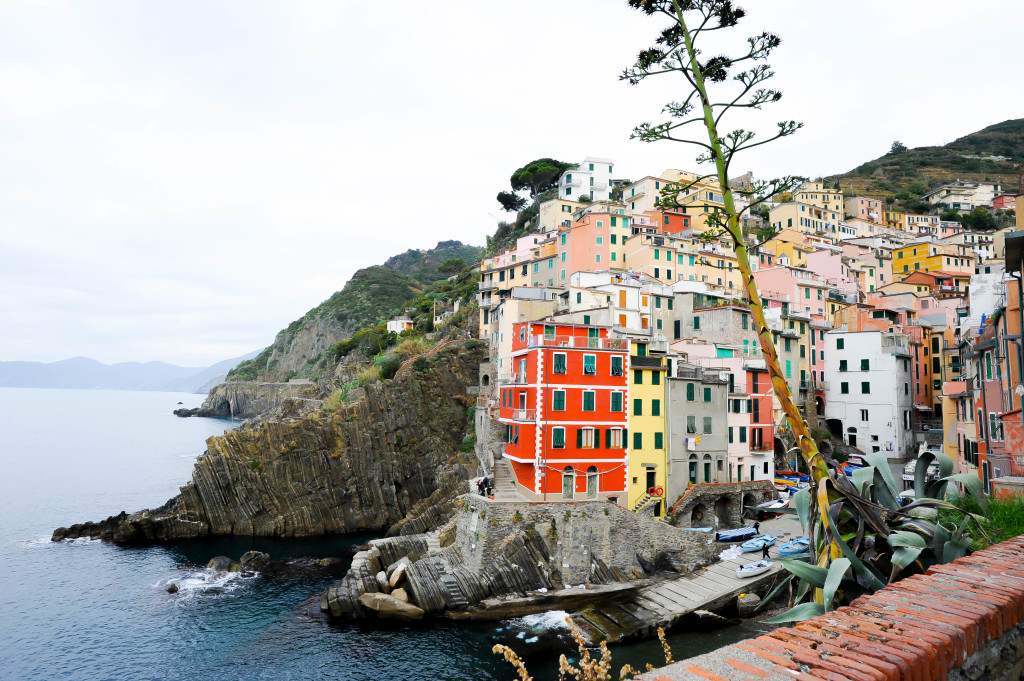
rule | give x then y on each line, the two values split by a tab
223	564
254	559
389	461
400	594
171	588
382	582
390	607
398	573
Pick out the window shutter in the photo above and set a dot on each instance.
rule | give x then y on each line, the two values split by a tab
579	438
750	406
597	438
608	439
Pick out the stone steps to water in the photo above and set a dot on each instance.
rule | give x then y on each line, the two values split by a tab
664	603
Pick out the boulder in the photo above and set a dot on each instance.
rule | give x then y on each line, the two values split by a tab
222	564
747	603
398	574
389	607
254	559
382	582
172	588
400	594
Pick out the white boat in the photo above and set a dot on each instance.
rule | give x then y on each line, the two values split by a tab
752	569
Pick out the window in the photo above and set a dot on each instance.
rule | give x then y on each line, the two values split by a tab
863	414
842	365
743	433
638	407
655	378
558	438
840	342
689	392
730	434
638	441
789	368
638	377
616	366
844	388
585	438
691	423
659	440
707	394
670	303
589	365
865	387
560	365
558	400
512	434
655	407
696	322
588	400
614	237
743	321
787	344
616	401
613	437
865	365
707	425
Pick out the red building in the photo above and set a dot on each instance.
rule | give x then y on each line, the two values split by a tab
1004	202
564	411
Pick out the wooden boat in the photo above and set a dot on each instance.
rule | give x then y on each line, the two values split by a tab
791	548
739	534
752	569
757	543
770	508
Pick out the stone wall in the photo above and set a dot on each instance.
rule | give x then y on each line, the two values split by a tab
721	505
960	621
495	549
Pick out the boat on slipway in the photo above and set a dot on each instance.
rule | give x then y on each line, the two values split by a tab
757	543
797	546
752	569
738	534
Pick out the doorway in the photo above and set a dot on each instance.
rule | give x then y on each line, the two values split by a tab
592	481
568	482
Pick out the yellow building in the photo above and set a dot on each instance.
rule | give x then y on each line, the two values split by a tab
817	194
932	257
895	219
556	213
647	456
805	217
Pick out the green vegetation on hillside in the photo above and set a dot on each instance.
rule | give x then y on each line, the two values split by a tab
903	175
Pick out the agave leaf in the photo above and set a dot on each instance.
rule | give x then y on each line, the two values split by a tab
863	476
901	538
836	571
905	555
881	464
805	571
883	495
936	489
799	613
955	548
869	574
920	473
973	485
774	592
802	502
939	540
917	526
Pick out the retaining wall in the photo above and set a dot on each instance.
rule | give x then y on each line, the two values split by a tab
960	621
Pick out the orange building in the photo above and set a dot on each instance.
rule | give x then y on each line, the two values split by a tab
564	411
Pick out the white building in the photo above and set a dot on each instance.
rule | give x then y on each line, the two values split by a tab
592	178
399	324
869	392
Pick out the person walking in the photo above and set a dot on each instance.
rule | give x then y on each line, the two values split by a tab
487	486
764	552
757	528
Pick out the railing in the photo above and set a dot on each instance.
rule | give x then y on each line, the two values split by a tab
928	425
579	342
524	414
762	447
488	285
484	402
638	361
514	377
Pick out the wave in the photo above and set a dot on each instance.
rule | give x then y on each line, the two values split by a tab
44	540
206	581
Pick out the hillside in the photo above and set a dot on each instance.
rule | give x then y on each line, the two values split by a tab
990	154
372	295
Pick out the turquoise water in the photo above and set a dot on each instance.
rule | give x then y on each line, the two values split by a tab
93	611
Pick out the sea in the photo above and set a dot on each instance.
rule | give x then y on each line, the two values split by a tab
92	611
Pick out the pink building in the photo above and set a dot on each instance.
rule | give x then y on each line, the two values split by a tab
803	290
864	208
593	243
1004	202
831	267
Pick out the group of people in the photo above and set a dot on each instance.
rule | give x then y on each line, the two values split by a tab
764	549
484	486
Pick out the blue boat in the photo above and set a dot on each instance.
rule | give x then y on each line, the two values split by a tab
791	548
758	543
739	534
709	530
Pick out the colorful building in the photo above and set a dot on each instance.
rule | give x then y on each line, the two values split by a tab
648	446
564	412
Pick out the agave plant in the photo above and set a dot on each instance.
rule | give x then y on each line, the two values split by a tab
865	536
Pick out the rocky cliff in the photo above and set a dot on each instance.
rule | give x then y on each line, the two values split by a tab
247	399
387	459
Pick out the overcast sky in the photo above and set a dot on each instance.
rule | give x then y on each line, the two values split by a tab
180	180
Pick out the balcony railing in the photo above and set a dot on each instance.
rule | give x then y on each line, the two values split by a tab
524	414
515	377
579	342
638	361
488	285
762	447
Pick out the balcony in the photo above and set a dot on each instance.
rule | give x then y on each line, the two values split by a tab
762	447
488	285
528	415
637	361
928	426
578	342
515	377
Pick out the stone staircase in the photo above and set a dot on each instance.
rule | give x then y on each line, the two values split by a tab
504	482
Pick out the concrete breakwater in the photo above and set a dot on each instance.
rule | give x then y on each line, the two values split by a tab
497	559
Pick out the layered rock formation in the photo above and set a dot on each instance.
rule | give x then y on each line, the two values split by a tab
492	550
387	461
247	399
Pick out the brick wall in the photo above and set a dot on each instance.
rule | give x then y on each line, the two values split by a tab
963	620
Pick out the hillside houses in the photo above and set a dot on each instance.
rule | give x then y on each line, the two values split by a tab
624	364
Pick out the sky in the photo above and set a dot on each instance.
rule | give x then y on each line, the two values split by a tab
180	180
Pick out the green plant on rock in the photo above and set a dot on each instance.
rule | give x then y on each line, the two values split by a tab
848	521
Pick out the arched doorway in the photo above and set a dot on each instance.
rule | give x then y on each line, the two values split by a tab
693	468
707	468
722	509
568	482
851	436
592	482
486	380
819	401
749	502
699	516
